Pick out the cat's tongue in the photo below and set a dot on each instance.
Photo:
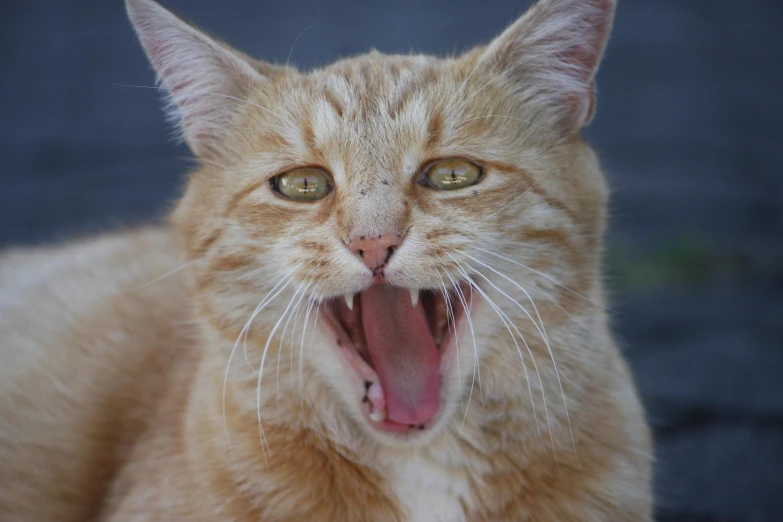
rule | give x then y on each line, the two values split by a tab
403	353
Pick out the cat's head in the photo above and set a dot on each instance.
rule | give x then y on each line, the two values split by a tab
381	198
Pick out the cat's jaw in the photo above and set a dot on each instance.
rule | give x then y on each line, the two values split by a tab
446	313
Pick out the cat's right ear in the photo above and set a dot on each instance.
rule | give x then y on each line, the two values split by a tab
550	56
205	79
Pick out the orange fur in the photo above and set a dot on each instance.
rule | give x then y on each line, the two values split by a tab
129	385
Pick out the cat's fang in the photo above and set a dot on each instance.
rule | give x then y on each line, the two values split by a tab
349	301
378	415
414	296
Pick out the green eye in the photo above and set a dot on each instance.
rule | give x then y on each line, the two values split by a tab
302	184
453	174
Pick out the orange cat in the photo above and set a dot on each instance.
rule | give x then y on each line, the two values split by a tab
379	299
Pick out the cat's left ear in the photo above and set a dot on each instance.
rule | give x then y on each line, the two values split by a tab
206	79
551	55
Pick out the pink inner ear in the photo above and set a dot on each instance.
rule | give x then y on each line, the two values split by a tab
201	75
581	53
559	44
587	54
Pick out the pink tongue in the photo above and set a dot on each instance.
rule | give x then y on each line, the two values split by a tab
403	353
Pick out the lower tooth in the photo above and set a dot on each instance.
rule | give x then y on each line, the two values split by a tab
440	328
378	415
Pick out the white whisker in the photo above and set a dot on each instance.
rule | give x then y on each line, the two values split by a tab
507	321
461	123
246	330
163	276
450	312
541	331
475	348
285	280
293	313
263	359
286	120
509	324
474	93
504	207
475	68
545	276
288	60
301	349
315	322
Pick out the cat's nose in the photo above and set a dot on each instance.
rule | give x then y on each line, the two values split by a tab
375	251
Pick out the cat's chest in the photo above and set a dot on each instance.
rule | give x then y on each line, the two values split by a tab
430	490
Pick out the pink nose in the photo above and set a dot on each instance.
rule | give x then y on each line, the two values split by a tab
375	251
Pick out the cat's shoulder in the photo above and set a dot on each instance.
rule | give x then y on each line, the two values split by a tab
87	333
86	294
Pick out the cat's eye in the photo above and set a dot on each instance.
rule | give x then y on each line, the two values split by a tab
452	174
307	184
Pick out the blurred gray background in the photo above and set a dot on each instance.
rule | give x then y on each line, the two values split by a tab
688	126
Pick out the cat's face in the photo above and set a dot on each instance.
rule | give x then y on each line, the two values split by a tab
390	202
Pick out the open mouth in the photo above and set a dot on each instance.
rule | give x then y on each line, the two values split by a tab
394	339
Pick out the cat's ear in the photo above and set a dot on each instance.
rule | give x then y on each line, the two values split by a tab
551	55
206	80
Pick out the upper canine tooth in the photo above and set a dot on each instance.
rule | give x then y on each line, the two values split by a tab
414	296
349	301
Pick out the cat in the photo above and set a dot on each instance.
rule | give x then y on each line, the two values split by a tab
378	299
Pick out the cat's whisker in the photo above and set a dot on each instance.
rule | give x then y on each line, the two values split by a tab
451	318
545	276
301	348
504	207
541	331
551	298
559	382
298	311
291	51
475	349
164	275
468	308
481	389
535	365
205	161
315	321
285	280
246	330
509	324
153	87
281	118
292	343
293	313
263	359
461	123
475	68
494	79
306	310
160	88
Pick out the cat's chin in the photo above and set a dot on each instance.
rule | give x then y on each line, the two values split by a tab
397	351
